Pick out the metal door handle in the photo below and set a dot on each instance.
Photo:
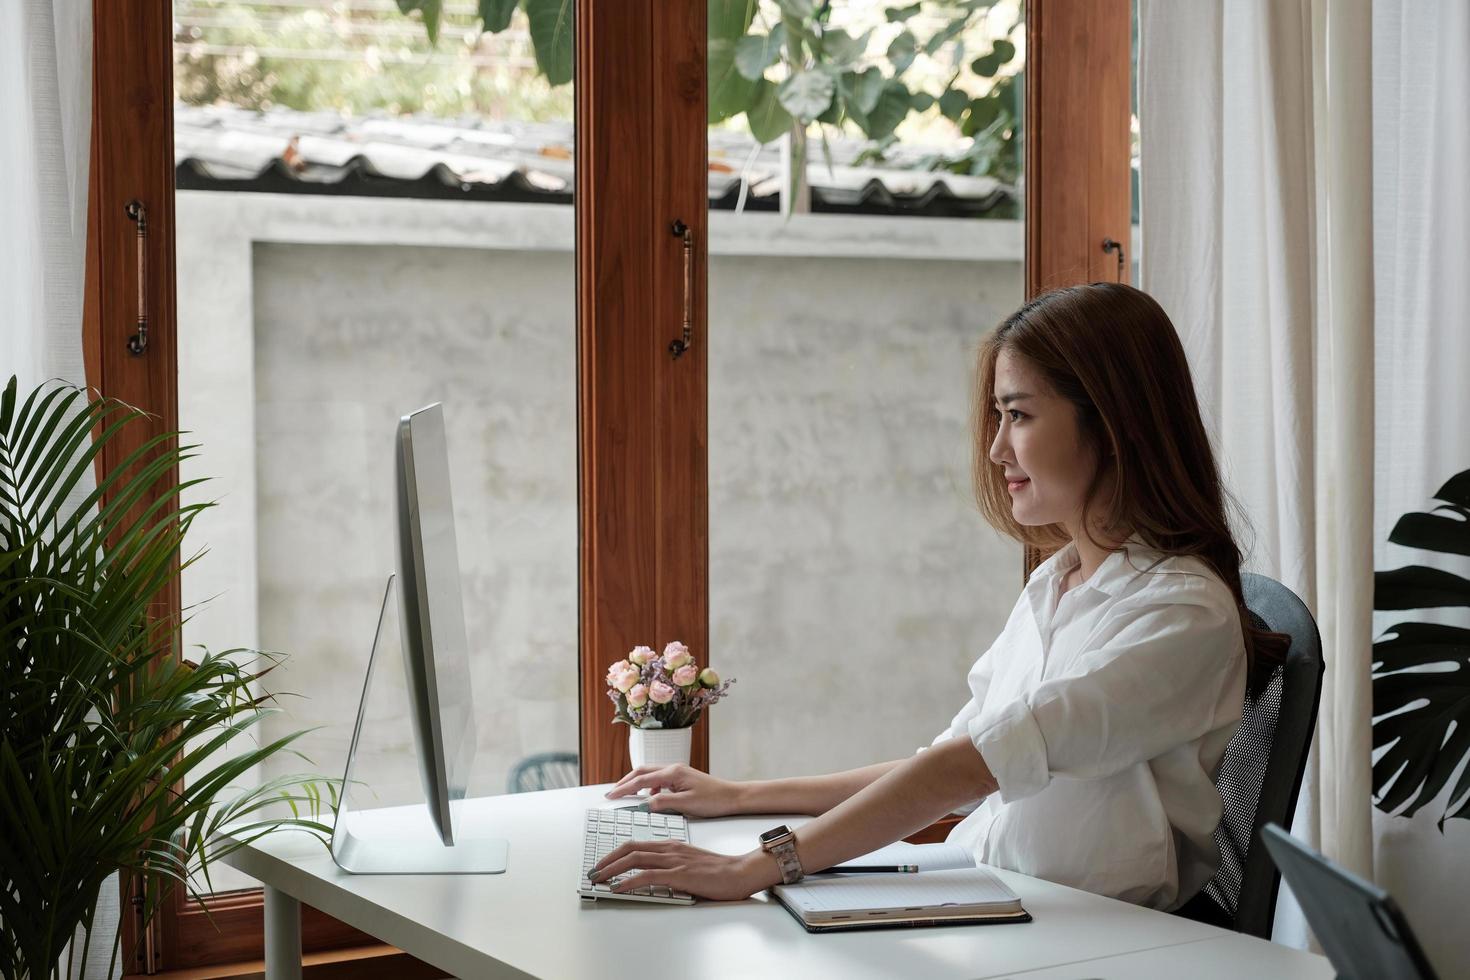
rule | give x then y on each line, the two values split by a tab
681	344
138	342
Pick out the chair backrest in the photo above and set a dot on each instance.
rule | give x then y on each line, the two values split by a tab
544	770
1261	773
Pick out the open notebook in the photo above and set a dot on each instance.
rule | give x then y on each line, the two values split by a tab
947	890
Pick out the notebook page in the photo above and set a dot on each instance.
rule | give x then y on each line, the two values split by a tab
928	857
855	893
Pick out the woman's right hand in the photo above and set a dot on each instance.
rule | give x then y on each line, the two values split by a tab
681	789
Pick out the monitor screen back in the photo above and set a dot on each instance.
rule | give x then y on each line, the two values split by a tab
435	648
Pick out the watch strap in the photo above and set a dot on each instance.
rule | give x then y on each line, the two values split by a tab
784	851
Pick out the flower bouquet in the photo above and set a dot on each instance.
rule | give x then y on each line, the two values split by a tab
659	698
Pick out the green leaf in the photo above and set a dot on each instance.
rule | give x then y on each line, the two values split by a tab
841	48
945	34
730	93
730	19
754	53
897	15
836	111
953	103
807	94
551	37
921	101
827	158
768	119
430	10
890	110
495	14
981	116
799	37
1004	50
1007	89
902	51
987	65
861	89
803	9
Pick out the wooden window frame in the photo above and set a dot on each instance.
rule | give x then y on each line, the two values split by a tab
642	142
642	414
1078	187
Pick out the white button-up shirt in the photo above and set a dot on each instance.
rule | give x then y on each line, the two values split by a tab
1104	717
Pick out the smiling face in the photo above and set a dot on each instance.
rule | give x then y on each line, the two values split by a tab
1048	463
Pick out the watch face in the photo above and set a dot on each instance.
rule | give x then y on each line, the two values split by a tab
775	833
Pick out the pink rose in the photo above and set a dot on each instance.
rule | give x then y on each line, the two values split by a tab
637	695
642	655
708	677
676	655
616	669
625	679
661	693
686	675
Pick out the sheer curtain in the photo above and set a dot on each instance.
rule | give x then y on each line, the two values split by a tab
45	116
1421	236
45	142
1256	166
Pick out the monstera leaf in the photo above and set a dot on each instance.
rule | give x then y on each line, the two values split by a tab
1421	671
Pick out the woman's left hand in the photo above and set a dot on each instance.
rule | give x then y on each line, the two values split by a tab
686	868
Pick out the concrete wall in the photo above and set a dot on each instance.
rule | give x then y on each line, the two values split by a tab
852	581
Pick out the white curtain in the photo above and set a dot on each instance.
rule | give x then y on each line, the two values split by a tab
45	143
1421	236
1257	231
45	119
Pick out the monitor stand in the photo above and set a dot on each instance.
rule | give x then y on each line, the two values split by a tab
401	840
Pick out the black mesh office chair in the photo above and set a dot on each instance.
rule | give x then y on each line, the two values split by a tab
1261	773
544	770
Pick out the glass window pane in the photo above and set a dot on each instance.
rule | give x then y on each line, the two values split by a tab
853	582
371	220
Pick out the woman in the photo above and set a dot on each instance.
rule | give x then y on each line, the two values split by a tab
1098	718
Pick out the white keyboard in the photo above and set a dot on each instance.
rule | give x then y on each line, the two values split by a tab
608	828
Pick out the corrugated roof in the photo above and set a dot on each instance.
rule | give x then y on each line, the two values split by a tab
284	151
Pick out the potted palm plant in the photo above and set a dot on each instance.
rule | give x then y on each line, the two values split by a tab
112	748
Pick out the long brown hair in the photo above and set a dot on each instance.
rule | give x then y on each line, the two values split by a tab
1111	351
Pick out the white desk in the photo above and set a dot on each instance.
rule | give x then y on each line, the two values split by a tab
530	922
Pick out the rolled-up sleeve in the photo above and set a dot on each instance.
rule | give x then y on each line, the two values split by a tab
1153	682
979	681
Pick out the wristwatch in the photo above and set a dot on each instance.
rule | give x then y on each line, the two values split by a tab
780	843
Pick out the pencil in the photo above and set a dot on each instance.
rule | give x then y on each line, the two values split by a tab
869	869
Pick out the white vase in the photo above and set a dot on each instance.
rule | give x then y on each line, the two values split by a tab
659	746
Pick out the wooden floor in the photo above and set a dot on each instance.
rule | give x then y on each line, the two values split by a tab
366	962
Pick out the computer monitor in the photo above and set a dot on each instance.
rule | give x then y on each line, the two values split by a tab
425	594
435	650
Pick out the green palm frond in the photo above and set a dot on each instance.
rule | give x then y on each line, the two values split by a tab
1421	671
112	750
